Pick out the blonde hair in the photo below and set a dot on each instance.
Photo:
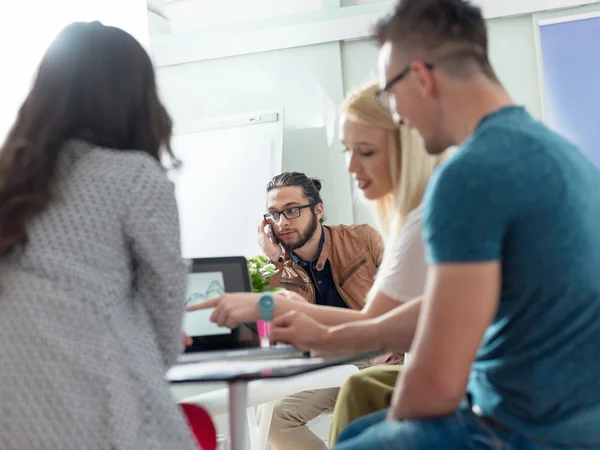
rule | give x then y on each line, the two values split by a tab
410	166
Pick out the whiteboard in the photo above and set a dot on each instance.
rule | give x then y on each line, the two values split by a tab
221	184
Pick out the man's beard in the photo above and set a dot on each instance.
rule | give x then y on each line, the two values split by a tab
305	236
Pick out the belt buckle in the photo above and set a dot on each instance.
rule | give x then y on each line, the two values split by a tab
475	409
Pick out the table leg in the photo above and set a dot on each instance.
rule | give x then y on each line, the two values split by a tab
238	425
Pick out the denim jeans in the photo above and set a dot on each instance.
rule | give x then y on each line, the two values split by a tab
462	430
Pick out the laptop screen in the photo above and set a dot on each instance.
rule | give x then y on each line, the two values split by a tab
202	287
211	278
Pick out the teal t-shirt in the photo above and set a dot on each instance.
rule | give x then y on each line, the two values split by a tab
519	193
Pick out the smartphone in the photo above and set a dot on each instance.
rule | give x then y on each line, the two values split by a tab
273	235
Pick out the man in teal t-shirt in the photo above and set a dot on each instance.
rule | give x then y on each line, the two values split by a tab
507	349
519	194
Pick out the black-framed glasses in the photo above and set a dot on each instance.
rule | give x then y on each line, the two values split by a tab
289	213
383	95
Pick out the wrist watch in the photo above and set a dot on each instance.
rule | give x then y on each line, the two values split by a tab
266	304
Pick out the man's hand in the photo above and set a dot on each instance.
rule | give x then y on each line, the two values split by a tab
435	379
299	330
187	340
270	249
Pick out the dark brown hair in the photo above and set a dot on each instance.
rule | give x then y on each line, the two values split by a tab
94	83
311	187
430	26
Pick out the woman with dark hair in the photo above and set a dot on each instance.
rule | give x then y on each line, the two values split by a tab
92	283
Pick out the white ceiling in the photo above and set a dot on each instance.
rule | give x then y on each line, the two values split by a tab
186	15
174	16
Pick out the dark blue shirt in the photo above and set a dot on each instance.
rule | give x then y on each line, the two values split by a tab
520	194
326	293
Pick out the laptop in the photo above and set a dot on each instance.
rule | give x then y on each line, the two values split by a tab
210	278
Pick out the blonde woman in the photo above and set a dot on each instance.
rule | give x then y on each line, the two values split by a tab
365	127
392	169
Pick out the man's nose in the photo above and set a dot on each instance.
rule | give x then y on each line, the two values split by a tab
283	222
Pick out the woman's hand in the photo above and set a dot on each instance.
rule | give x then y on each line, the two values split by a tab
299	330
233	309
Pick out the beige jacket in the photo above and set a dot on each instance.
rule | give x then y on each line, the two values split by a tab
354	253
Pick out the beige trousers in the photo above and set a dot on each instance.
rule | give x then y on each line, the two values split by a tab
291	414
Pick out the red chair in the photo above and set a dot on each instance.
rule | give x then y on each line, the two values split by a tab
201	425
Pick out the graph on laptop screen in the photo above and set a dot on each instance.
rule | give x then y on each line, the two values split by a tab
203	286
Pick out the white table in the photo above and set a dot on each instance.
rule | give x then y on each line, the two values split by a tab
238	374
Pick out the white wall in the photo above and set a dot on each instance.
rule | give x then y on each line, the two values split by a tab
26	35
305	81
211	14
310	81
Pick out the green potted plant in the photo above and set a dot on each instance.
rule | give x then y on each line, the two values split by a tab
260	270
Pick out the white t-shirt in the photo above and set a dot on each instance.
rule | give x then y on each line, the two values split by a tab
408	272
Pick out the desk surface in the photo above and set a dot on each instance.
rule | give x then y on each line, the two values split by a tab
248	370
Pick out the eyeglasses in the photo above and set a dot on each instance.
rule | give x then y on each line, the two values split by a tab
383	95
288	213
